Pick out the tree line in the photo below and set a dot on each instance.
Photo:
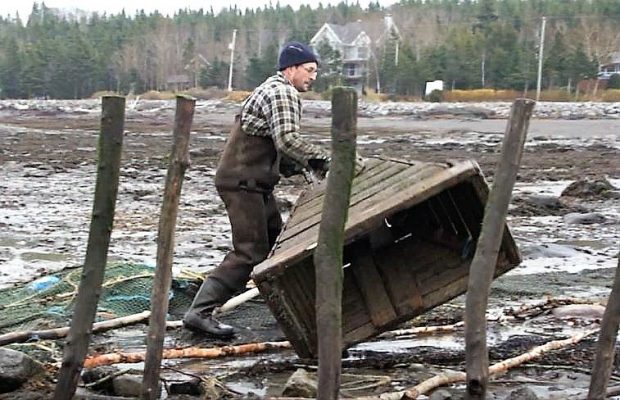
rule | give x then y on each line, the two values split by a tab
468	44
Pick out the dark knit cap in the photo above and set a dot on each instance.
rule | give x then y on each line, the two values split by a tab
295	53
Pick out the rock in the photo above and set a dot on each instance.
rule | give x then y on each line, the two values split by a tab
300	384
441	394
583	311
545	201
98	374
127	385
523	393
15	369
548	250
588	188
192	387
585	218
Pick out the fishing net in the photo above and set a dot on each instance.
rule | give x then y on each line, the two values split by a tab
48	302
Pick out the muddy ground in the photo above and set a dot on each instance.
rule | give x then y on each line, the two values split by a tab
47	158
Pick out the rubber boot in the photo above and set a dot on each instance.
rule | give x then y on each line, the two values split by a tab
199	317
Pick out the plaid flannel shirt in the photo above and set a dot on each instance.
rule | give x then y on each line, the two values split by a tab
274	109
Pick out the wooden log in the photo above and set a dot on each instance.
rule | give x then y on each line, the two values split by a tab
604	359
495	370
190	352
106	189
179	162
57	333
328	254
421	330
483	265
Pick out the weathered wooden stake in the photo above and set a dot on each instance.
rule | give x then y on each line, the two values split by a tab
604	360
102	219
179	162
483	265
328	254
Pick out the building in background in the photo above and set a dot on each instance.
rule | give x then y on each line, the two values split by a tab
357	44
610	68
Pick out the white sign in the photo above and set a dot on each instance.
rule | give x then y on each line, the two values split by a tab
433	85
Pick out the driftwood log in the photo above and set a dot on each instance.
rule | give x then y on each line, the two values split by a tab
190	352
494	370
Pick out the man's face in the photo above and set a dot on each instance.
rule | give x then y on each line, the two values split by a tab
303	76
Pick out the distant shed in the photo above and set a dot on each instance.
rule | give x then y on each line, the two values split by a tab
409	240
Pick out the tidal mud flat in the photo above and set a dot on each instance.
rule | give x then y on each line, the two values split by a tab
569	239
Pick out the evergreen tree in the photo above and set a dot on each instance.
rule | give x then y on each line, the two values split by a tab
10	67
260	68
215	75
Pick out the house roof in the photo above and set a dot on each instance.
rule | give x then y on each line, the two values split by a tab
614	58
347	33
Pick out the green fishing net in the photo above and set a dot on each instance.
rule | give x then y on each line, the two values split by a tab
48	302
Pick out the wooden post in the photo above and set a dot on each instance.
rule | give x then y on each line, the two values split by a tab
483	265
328	253
604	360
102	219
179	162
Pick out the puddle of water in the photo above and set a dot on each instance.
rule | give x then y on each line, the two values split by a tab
34	256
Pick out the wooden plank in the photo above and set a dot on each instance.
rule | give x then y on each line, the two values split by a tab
394	264
373	165
360	190
354	311
415	193
300	289
482	190
279	305
371	198
371	285
359	334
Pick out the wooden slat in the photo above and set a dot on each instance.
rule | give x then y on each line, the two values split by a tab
354	311
396	267
372	165
372	197
361	189
371	285
278	302
482	190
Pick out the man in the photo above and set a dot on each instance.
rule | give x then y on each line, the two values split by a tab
265	133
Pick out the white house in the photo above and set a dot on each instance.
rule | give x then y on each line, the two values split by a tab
612	67
354	45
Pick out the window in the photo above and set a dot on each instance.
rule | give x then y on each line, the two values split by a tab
349	70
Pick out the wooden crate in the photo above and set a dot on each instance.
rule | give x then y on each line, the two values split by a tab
409	241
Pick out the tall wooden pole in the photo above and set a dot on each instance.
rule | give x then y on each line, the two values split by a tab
604	360
483	265
541	54
328	254
89	290
179	162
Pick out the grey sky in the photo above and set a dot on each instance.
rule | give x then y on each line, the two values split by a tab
163	6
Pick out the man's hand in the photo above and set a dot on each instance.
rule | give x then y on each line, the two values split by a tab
289	167
319	167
